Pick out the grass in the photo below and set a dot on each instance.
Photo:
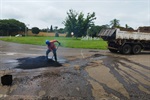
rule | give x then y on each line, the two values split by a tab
65	42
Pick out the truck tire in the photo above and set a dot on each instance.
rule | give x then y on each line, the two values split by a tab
126	49
136	49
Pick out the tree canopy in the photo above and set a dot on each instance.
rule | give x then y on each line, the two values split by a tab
77	23
114	23
51	28
35	30
94	30
11	27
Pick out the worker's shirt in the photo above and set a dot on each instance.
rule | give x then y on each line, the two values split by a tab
52	45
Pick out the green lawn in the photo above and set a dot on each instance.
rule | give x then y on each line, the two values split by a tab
65	42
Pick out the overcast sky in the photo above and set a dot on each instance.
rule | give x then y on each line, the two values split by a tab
44	13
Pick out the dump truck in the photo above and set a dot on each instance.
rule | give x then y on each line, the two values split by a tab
125	42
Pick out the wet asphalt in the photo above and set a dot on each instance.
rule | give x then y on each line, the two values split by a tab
79	74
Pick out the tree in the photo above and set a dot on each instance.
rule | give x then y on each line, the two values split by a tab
35	30
43	30
76	23
61	30
94	30
56	32
11	27
126	26
56	28
51	29
4	28
70	22
114	23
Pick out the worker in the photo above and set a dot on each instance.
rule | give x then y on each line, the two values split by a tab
51	47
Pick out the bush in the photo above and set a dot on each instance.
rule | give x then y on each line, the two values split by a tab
35	30
68	35
56	34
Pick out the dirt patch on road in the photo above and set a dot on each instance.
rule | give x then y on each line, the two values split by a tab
60	82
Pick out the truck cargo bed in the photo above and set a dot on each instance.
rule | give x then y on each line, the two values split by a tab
108	34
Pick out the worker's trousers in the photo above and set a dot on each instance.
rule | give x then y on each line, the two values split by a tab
54	53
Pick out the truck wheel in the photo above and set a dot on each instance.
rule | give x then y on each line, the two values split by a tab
126	49
136	49
113	50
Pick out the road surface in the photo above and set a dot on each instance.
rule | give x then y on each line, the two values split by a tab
79	74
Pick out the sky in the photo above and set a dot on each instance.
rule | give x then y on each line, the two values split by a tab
44	13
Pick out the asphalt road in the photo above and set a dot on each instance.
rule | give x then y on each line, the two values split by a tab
79	74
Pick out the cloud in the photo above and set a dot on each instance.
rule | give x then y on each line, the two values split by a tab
11	12
44	13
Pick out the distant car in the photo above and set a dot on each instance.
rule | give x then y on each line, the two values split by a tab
18	35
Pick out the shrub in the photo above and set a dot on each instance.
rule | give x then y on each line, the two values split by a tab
56	34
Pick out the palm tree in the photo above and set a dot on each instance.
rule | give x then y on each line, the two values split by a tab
126	26
114	23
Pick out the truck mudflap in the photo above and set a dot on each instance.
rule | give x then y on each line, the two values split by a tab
112	48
